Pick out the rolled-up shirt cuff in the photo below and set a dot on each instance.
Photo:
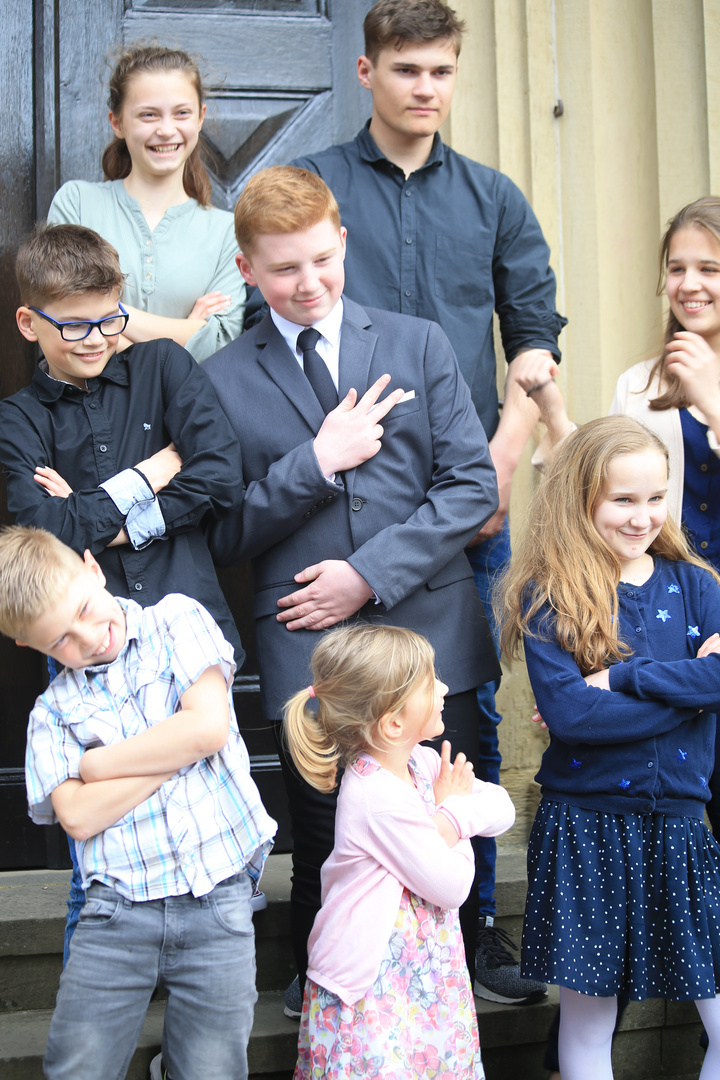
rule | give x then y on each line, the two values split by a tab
133	496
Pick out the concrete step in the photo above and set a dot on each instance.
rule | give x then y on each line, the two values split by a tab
656	1041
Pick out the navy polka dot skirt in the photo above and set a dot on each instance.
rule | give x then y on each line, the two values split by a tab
622	902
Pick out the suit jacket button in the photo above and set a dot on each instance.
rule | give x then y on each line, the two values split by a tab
356	504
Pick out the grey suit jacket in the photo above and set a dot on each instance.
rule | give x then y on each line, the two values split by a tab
401	519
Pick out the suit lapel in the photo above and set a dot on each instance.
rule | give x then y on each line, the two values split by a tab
357	347
285	371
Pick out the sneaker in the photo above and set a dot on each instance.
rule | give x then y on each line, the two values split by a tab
157	1072
293	1000
258	902
497	972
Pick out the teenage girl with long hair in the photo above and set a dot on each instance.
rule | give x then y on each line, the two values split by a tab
388	992
177	252
619	621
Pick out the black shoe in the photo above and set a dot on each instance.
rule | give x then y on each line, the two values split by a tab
497	973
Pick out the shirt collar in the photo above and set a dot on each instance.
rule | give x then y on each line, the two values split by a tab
370	151
50	389
329	327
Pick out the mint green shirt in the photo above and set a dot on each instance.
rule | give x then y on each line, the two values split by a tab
191	252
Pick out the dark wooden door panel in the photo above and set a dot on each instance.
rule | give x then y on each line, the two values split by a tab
282	82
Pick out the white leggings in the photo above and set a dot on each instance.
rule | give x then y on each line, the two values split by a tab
586	1031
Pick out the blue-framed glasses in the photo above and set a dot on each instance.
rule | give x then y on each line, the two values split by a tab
110	326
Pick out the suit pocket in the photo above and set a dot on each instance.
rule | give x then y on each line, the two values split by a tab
458	569
266	598
403	408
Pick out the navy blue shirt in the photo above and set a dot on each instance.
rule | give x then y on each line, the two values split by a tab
453	242
145	397
701	489
643	746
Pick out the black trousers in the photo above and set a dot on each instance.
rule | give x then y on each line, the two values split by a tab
312	817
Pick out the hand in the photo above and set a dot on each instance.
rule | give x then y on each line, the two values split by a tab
454	779
537	718
210	304
710	645
599	678
505	470
52	481
351	433
336	591
533	368
697	367
161	467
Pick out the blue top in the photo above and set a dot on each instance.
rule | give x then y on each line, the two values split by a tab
452	243
701	489
644	746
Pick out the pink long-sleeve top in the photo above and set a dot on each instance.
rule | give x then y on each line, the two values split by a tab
386	840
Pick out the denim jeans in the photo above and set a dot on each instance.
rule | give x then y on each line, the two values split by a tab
487	560
75	901
201	949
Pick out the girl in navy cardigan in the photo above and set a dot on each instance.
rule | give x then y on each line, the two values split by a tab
388	992
619	621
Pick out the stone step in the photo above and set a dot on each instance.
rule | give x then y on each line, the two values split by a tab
656	1041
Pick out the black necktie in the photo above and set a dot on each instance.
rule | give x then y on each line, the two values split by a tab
316	369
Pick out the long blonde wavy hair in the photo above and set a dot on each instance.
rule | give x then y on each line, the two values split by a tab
360	673
563	562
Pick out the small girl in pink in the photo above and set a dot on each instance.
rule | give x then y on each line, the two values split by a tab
388	993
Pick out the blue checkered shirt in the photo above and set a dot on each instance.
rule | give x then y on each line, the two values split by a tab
203	825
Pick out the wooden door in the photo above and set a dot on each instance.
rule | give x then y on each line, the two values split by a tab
282	83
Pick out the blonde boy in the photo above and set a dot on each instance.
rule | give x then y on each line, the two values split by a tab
134	748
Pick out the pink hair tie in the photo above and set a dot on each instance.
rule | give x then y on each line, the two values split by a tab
311	691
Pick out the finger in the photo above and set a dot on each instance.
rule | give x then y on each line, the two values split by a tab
382	408
309	573
370	396
459	761
348	402
445	750
292	599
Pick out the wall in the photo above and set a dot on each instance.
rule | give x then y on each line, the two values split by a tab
639	137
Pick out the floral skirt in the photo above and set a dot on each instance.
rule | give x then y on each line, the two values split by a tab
417	1020
622	902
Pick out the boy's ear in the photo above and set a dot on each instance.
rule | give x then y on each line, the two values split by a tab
24	318
22	644
364	70
93	566
245	269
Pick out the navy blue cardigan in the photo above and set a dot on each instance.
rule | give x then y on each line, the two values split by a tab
647	744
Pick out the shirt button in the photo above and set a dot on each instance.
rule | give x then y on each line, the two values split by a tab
631	594
103	448
149	258
138	586
408	292
148	276
650	764
648	807
408	192
704	468
408	239
703	507
92	405
149	243
356	504
638	629
703	544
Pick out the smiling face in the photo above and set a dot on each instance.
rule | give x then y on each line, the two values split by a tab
412	89
86	626
633	508
160	121
72	361
300	274
693	282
